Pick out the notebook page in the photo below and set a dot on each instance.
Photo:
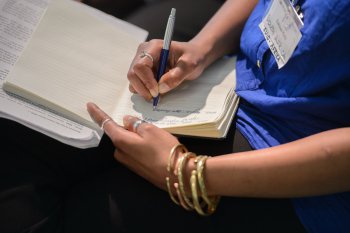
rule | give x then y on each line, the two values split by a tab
194	102
73	59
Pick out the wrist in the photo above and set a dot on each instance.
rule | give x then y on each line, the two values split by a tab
212	46
189	181
204	49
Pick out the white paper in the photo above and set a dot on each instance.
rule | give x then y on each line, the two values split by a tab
18	21
281	29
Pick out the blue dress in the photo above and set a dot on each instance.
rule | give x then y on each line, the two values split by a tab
310	94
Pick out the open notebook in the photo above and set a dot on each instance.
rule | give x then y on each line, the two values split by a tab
74	58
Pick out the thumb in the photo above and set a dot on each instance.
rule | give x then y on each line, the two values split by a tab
174	77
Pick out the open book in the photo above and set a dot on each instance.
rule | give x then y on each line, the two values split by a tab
73	58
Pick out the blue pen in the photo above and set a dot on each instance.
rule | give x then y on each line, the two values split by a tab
165	51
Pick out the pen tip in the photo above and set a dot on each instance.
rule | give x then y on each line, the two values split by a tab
173	11
154	108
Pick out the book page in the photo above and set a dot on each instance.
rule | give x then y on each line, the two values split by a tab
73	59
18	21
195	102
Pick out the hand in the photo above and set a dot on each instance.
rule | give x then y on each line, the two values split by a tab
144	150
186	62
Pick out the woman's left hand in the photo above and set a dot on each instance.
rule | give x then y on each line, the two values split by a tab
144	148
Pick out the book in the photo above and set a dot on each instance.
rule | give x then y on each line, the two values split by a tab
73	58
16	15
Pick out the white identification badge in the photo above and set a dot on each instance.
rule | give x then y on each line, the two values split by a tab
281	29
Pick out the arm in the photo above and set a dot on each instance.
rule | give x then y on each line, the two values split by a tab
315	165
319	164
222	33
187	60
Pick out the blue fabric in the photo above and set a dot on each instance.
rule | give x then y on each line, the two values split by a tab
310	94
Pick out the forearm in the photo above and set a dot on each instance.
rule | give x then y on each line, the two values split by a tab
319	164
221	35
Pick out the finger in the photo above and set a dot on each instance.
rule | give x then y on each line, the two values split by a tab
138	86
146	59
140	75
174	77
137	125
122	139
144	67
152	48
145	74
131	89
102	119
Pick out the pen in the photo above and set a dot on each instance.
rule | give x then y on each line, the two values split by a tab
165	51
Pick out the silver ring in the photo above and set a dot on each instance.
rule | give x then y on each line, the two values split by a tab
137	124
145	54
105	122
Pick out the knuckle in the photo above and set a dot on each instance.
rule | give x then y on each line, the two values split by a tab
144	75
191	64
117	141
155	42
148	127
138	66
174	79
142	46
131	74
148	83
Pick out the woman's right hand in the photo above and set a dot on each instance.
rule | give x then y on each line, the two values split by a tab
185	62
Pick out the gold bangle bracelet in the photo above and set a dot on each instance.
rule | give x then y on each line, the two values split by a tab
170	192
200	201
172	154
181	199
169	167
180	167
212	202
200	168
195	198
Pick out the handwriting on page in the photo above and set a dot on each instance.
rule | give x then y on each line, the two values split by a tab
193	116
193	102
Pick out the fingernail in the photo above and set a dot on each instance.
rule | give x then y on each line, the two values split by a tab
126	119
163	88
91	104
154	92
